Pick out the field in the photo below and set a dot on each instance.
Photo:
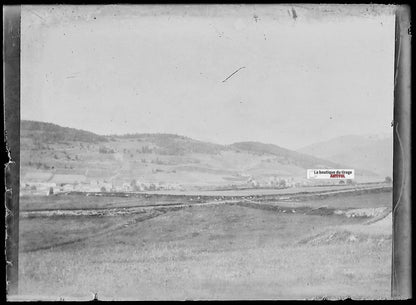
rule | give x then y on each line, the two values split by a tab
332	246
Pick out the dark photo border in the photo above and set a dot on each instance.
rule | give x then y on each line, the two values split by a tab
401	280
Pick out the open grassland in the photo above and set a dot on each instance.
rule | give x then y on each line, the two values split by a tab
308	196
81	201
227	251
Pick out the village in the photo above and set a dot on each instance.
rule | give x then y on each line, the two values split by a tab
39	183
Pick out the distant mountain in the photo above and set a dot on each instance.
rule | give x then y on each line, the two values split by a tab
370	152
54	154
296	158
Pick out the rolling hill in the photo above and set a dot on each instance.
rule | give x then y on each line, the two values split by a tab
372	152
60	155
52	133
296	158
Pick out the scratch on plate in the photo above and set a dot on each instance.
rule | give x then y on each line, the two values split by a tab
232	74
37	15
397	203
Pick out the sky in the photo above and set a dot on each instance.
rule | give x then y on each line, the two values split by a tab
307	73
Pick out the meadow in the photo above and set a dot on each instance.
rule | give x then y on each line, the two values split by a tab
238	250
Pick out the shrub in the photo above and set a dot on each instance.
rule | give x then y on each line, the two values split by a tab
105	150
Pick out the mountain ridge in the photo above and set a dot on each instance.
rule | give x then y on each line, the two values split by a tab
54	153
167	139
372	151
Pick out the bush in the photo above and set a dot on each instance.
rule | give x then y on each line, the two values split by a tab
146	150
105	150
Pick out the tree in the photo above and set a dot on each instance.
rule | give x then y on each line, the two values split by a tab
133	184
146	149
388	179
105	150
102	189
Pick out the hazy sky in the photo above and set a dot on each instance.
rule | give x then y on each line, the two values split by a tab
310	73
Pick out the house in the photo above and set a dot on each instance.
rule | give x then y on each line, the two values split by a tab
127	187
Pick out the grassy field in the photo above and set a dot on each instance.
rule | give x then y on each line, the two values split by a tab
75	200
227	251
